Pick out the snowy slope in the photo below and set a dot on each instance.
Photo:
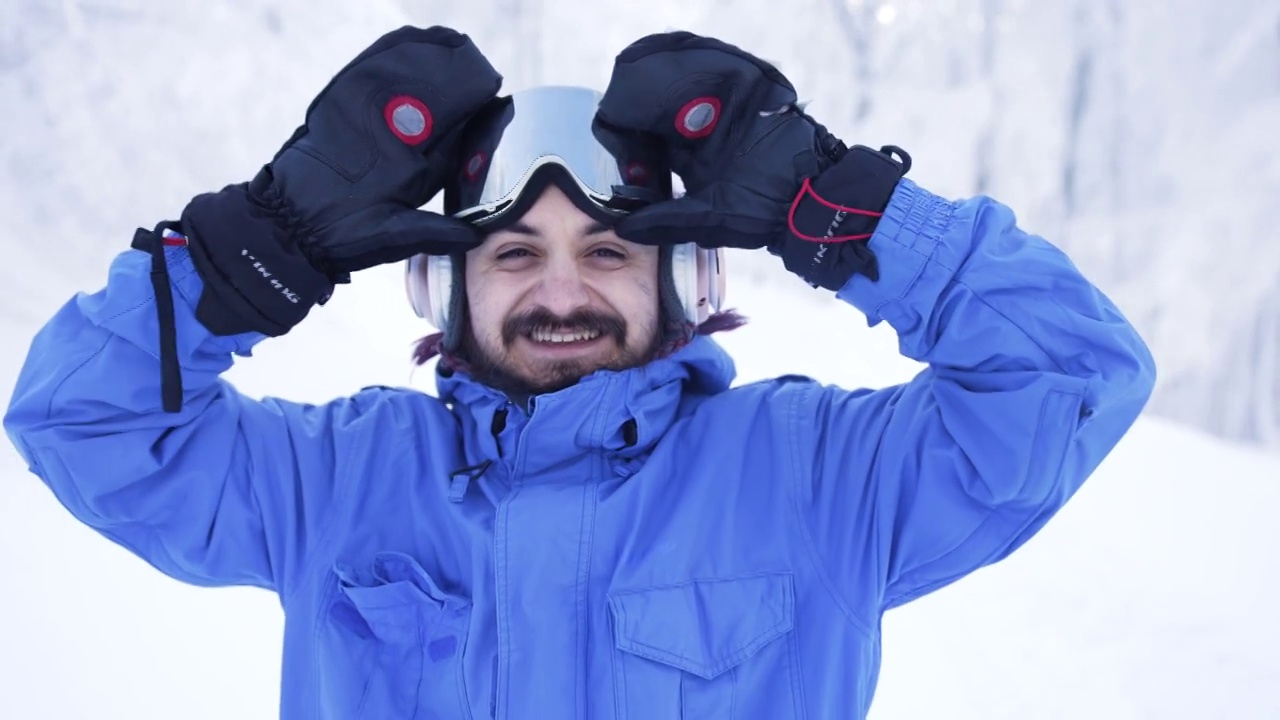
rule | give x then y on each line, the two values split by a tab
1140	136
1149	596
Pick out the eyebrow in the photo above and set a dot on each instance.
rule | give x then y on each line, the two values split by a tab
520	227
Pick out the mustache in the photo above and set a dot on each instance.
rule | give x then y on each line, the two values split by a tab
584	319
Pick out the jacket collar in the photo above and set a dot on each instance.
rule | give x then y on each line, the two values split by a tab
609	410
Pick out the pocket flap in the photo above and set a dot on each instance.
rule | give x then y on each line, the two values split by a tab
704	627
393	599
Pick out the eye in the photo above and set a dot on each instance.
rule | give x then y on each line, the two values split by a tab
513	253
607	252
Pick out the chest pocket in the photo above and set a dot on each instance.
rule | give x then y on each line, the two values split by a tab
718	648
391	644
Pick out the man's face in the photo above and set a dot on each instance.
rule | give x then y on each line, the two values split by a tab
556	296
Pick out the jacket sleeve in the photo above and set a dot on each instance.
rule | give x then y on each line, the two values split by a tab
227	491
1032	377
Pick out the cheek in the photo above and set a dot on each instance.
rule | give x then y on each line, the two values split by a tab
483	310
641	305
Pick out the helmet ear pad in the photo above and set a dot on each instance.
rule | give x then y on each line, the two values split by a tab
691	282
430	281
694	279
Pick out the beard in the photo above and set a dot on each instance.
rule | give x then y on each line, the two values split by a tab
499	369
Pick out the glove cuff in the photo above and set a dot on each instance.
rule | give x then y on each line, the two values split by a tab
834	215
255	277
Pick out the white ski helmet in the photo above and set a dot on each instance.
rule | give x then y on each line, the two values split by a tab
510	152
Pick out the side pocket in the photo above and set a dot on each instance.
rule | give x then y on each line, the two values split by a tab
699	649
391	643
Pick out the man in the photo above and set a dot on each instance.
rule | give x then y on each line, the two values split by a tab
588	522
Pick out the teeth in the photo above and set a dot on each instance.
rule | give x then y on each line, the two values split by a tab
548	336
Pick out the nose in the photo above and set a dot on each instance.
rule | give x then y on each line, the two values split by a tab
562	288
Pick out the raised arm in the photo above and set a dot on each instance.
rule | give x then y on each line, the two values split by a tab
120	408
1033	377
1033	374
227	490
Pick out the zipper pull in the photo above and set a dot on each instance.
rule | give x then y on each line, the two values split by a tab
462	477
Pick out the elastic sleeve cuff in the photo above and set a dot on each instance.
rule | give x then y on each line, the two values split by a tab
908	247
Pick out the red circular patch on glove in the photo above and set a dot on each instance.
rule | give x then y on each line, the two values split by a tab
471	171
636	174
698	117
408	118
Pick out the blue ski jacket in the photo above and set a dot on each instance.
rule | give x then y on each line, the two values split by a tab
646	544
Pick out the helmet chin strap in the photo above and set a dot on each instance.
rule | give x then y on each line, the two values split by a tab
672	308
458	318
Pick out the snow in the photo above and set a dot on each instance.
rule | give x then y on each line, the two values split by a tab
1141	138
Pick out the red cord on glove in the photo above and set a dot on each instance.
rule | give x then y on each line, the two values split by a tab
807	189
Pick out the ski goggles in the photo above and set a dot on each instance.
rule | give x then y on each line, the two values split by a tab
518	144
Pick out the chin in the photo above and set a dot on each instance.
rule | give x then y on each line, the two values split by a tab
544	377
520	370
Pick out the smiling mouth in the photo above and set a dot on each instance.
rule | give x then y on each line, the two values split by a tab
558	337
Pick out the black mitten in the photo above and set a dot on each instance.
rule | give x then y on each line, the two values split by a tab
744	149
341	195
